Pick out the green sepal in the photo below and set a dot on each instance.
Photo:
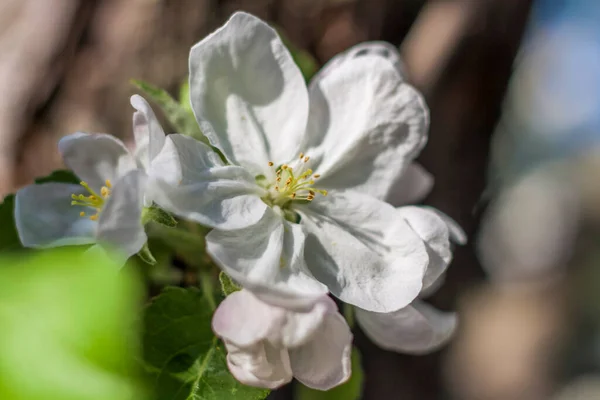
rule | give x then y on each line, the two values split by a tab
228	286
146	255
158	215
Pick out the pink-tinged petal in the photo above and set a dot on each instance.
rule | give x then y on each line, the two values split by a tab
324	362
262	365
244	320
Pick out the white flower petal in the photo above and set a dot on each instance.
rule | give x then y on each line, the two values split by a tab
380	49
244	320
263	365
120	221
301	326
366	126
434	232
324	362
364	251
248	94
149	135
190	180
266	258
416	329
410	187
45	217
96	158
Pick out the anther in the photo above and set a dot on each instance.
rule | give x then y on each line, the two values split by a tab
108	184
284	166
316	176
82	214
311	192
306	159
310	197
301	156
270	163
293	196
94	217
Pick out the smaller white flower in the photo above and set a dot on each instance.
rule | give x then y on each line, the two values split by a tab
268	346
419	328
106	208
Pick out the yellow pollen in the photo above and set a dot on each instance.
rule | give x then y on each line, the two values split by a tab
301	156
94	200
270	163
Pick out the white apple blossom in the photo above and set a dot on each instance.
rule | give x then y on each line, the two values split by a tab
106	208
310	170
419	328
269	345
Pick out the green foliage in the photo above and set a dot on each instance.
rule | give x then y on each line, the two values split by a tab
178	114
351	390
68	328
184	359
228	286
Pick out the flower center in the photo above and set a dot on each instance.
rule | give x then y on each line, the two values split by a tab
292	184
94	200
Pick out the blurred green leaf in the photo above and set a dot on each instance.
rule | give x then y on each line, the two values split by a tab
179	115
351	390
228	286
184	96
184	358
68	328
304	60
186	244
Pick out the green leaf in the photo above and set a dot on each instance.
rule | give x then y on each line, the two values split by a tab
188	245
184	359
158	215
184	96
179	116
351	390
228	286
68	328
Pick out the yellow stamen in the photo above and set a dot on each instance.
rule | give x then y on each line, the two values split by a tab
94	217
301	156
270	163
108	184
316	176
82	214
306	159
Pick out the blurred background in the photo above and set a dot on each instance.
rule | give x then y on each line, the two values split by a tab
514	92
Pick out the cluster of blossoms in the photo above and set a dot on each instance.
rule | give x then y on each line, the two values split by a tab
306	198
